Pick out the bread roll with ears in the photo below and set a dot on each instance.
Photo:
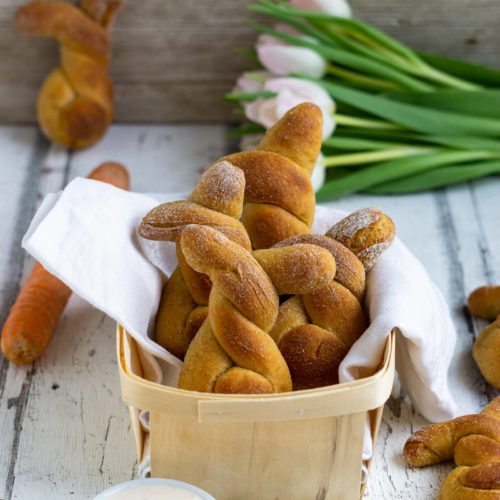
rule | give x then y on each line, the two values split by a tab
279	198
314	331
232	352
75	103
216	201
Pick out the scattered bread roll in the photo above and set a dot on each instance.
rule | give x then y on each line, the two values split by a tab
486	353
481	482
485	302
75	103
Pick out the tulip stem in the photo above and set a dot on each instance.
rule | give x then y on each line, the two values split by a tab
375	156
362	80
355	121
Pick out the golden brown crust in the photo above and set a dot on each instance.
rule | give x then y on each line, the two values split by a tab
68	24
167	221
350	271
297	269
332	316
180	314
297	136
75	103
272	178
476	449
313	355
176	304
103	11
367	232
438	442
269	224
243	304
485	302
481	482
337	310
279	198
486	353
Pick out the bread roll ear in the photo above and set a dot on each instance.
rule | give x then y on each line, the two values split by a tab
297	136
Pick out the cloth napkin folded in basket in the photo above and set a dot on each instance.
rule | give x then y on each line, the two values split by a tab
87	236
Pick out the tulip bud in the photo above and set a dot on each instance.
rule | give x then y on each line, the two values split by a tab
282	58
337	8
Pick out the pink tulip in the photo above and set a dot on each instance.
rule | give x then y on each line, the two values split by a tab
246	84
337	8
282	58
290	92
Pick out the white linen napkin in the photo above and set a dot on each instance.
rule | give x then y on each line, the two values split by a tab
87	236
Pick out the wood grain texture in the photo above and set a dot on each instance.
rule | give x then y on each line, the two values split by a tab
173	60
454	232
250	451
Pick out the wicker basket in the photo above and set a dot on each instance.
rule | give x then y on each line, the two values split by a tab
305	445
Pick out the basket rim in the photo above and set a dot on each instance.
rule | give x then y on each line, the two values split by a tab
350	397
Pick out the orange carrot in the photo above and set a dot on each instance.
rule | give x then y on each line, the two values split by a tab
43	298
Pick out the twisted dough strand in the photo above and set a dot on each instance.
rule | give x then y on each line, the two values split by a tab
481	482
315	331
75	103
279	198
470	440
216	201
232	352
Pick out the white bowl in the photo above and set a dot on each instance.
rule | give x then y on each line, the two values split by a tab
129	486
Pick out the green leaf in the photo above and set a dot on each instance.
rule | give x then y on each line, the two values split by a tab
249	96
440	177
426	120
472	72
475	102
383	172
347	58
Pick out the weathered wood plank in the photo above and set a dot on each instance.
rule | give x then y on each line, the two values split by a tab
166	158
172	61
21	148
75	437
65	445
444	229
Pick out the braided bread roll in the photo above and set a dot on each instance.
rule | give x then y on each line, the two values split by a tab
279	198
486	353
75	103
481	482
485	302
470	440
232	352
316	330
216	201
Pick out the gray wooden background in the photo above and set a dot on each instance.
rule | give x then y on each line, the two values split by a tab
173	59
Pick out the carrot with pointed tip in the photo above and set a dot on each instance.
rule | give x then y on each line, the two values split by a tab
40	303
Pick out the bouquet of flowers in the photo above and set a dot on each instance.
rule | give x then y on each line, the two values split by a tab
395	120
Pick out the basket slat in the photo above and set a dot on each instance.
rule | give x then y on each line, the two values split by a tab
307	444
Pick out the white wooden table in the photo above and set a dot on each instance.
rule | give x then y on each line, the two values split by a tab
64	432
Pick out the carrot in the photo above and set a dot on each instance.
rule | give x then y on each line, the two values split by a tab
43	298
